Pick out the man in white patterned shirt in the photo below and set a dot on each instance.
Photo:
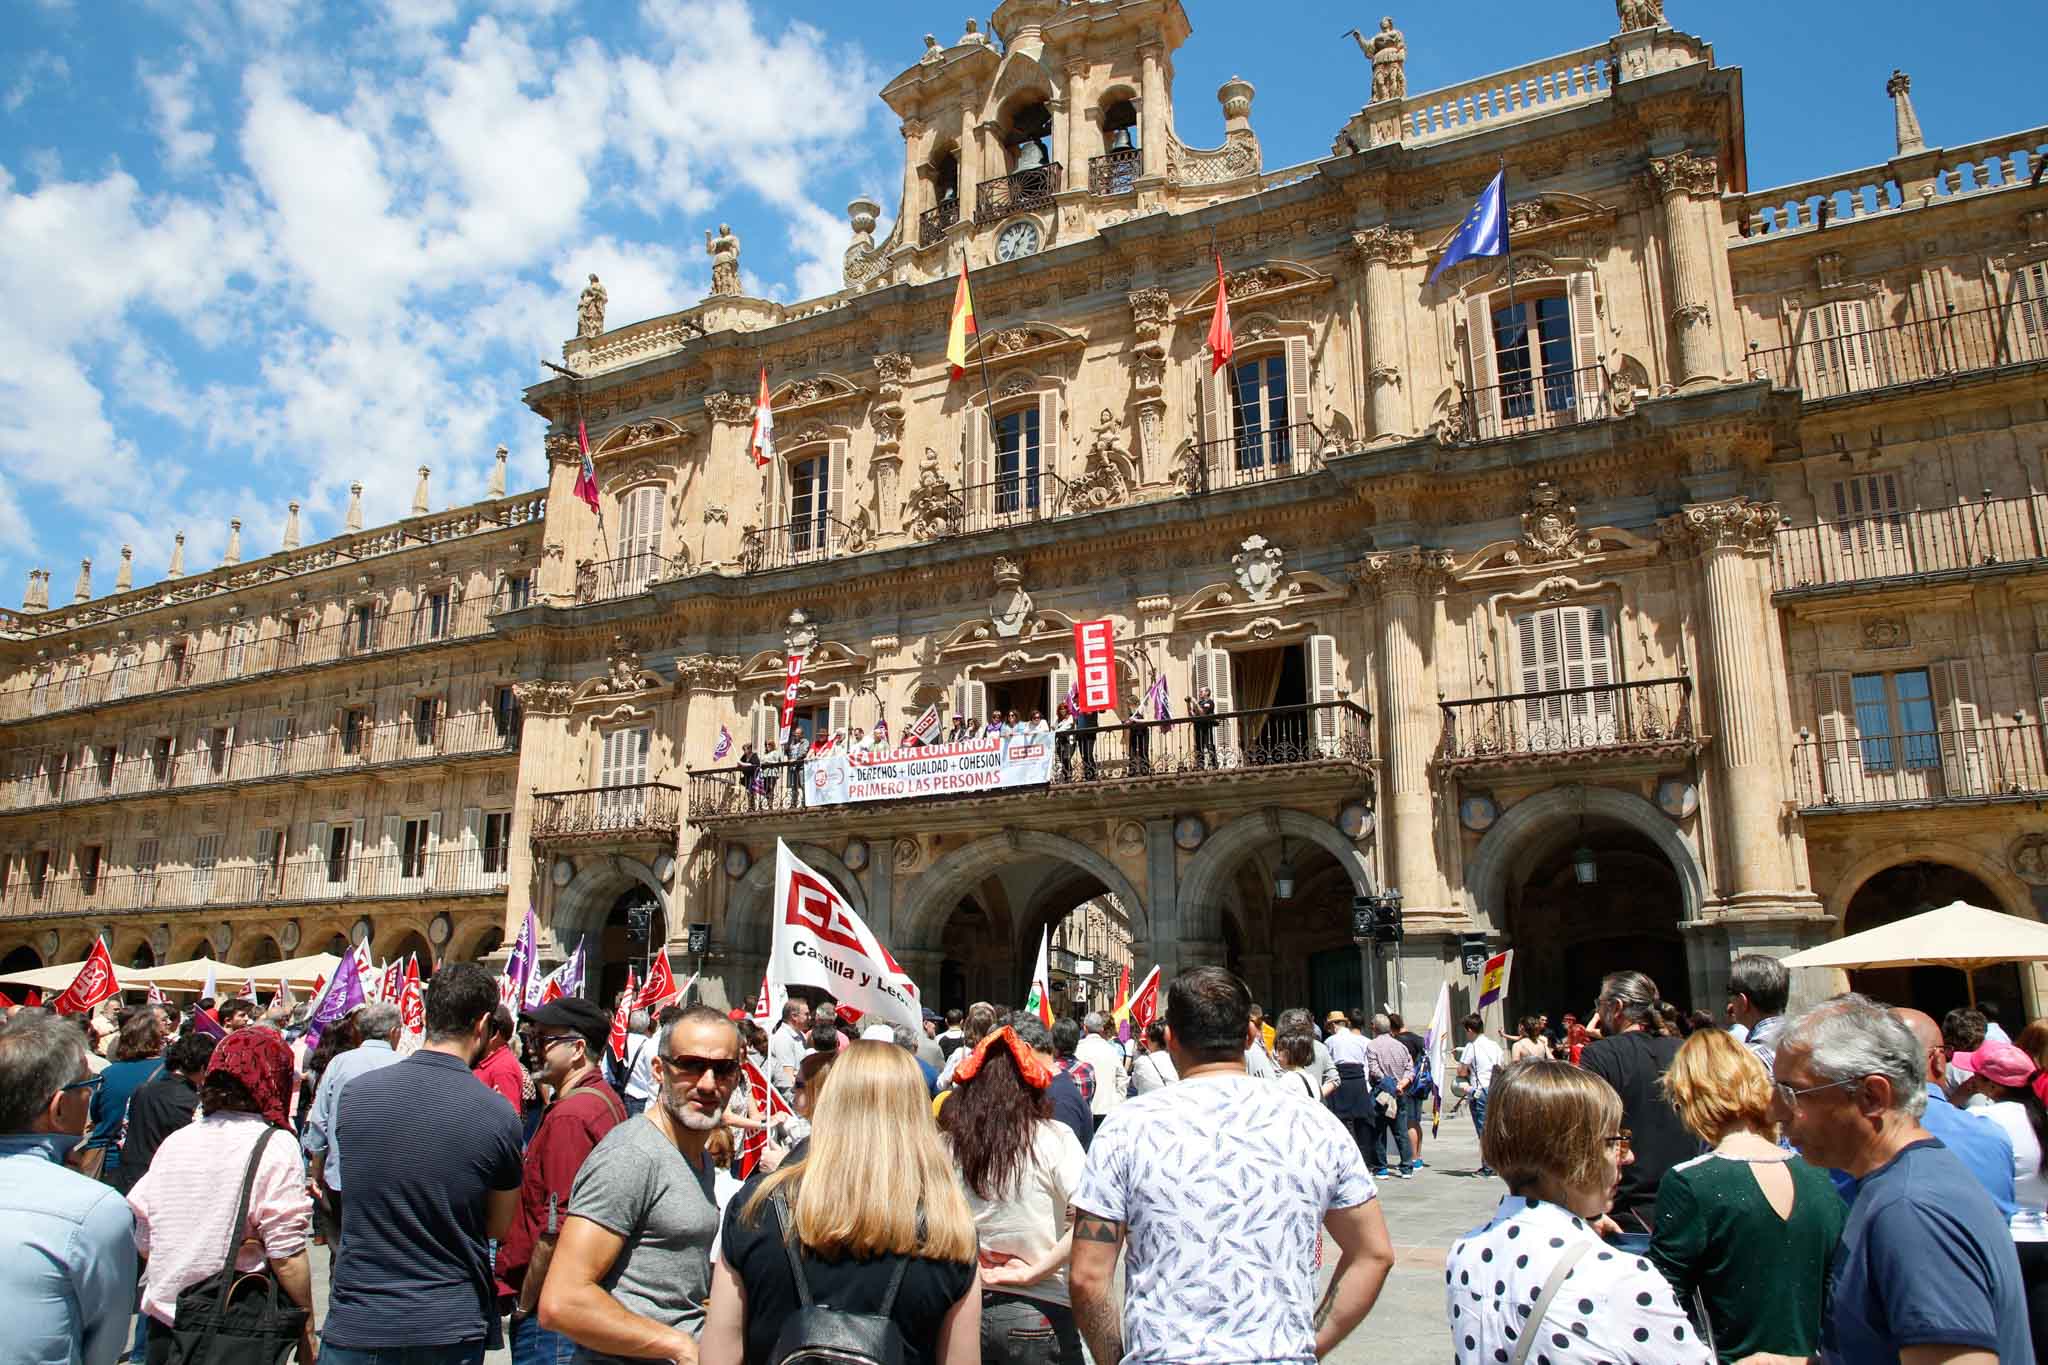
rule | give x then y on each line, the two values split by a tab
1219	1149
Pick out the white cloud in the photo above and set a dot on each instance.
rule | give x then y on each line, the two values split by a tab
41	69
171	100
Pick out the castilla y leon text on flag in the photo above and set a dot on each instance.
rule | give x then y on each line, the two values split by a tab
961	326
1493	981
586	477
820	942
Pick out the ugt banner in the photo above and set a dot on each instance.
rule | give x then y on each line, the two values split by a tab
790	679
986	763
820	942
1095	658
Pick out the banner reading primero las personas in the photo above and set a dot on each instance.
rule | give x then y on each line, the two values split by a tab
819	942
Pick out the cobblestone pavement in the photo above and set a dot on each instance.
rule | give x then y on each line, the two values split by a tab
1424	1214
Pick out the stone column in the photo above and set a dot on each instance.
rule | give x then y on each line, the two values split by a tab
1382	248
1410	725
1678	178
1152	110
1731	540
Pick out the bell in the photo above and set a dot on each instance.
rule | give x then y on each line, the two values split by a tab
1031	154
1121	140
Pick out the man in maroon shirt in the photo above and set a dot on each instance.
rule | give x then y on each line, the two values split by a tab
572	1039
499	1067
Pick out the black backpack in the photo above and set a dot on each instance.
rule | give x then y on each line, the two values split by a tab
817	1335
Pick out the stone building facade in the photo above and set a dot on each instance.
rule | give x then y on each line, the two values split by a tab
1669	589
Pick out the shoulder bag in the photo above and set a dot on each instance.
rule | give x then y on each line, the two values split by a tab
1558	1273
232	1317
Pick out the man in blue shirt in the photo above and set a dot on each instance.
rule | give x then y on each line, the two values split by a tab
1926	1269
67	1263
1978	1143
379	1024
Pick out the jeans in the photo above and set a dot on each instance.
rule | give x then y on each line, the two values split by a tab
1016	1330
1382	1126
461	1353
533	1344
1477	1102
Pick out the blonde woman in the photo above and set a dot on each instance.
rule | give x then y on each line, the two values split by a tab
1749	1226
875	1198
1537	1274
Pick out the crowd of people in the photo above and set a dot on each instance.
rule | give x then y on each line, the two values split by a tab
1854	1183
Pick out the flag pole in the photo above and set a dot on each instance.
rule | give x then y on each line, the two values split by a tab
988	402
576	387
1508	252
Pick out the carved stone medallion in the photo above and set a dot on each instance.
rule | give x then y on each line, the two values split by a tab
1257	568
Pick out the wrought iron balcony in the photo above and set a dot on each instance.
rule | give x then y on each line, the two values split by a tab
1959	540
1115	172
602	580
445	872
639	811
933	222
1530	404
797	542
1018	192
2003	761
1256	456
1649	718
1287	742
1906	354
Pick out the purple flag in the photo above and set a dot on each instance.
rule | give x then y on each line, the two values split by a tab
571	976
1157	700
343	993
519	966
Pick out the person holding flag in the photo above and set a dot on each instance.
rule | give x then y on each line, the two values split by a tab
1039	1002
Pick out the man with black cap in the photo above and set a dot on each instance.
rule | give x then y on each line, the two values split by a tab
571	1033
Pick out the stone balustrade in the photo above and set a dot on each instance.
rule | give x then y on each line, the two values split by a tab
1872	191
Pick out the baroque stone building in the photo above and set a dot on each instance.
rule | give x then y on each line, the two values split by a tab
1675	587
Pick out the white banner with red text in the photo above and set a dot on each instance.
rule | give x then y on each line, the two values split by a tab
821	943
985	764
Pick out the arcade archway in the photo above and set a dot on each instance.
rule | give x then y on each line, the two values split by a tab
1910	889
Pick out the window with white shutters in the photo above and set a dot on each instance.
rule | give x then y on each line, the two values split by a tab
1565	656
145	872
1323	691
497	840
810	504
639	537
1018	461
1844	353
2029	325
205	857
124	675
623	764
412	853
238	648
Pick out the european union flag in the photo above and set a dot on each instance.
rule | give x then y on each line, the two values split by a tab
1484	231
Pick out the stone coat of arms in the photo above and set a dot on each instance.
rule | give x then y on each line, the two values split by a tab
1257	568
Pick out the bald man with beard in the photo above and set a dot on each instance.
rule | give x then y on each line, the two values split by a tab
1977	1141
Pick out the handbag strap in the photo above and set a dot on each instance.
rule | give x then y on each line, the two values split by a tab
1556	1281
796	1262
236	1228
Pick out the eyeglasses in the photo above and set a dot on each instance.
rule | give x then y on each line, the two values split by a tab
91	1085
1619	1142
722	1069
1790	1098
549	1042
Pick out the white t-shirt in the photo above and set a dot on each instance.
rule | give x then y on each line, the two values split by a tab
1347	1048
1108	1060
640	1066
2029	1221
1033	1218
1221	1152
1482	1054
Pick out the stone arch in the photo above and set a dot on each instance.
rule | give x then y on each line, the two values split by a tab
582	906
1205	882
466	944
2012	892
747	923
928	900
1516	835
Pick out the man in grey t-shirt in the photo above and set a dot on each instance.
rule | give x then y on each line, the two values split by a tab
632	1267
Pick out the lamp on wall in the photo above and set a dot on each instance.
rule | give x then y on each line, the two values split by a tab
1585	867
1283	875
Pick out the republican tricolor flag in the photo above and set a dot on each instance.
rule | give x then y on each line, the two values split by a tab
961	327
586	477
761	444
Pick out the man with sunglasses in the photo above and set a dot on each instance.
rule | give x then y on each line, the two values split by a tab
67	1263
631	1270
571	1037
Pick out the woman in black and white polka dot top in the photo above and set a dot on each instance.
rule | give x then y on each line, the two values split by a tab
1535	1283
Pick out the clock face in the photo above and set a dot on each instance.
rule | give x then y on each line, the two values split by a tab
1018	239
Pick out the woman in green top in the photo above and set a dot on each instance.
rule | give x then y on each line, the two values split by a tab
1749	1227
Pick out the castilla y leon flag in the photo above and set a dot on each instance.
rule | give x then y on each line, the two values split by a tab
586	477
761	442
961	327
95	982
1144	1006
1040	1000
820	942
1222	341
1493	982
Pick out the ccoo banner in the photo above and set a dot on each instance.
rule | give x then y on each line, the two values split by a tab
988	763
1095	658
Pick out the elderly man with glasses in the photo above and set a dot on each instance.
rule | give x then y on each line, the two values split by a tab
571	1034
67	1264
631	1271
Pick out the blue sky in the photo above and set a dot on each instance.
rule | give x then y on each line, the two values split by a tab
251	250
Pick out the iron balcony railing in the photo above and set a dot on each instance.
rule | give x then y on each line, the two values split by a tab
179	669
40	783
1525	405
641	808
1256	455
630	575
1959	538
1915	351
440	872
1018	192
1115	172
1562	722
2003	761
1321	735
796	542
934	222
1012	500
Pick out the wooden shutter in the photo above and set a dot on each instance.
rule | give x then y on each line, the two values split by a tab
970	700
1322	689
1589	663
1479	347
1048	447
974	458
1300	411
1957	715
839	716
472	844
1587	384
1539	655
355	852
836	467
2030	294
1219	688
433	850
1059	684
1835	728
394	831
763	733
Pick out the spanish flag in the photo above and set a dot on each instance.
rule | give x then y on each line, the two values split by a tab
961	327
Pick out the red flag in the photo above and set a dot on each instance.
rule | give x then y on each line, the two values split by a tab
619	1019
1095	666
775	1107
33	999
1145	1003
95	982
412	1001
586	477
6	1001
156	994
661	983
1222	342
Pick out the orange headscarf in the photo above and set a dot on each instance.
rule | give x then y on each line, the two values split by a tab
1030	1065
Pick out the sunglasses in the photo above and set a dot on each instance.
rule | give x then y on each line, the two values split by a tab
549	1042
722	1069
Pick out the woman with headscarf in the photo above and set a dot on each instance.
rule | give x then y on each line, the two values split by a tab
183	1206
1020	1168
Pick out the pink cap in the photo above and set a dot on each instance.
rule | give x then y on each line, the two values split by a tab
1999	1063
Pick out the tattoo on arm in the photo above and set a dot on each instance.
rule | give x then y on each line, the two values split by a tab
1103	1329
1327	1305
1088	1228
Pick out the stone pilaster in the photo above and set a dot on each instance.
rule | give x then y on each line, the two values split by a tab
1406	583
1678	179
885	468
1151	315
734	500
1382	249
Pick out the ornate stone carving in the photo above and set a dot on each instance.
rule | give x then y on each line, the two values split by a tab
1529	215
932	510
1014	385
590	310
1410	570
1738	524
1384	374
713	513
1256	566
586	580
860	531
709	672
733	409
799	631
863	263
1387	50
1384	243
1884	632
561	448
1187	469
1257	279
906	854
1684	173
1238	156
544	698
892	372
1010	608
624	673
724	251
1151	310
1107	478
1635	14
1011	340
2029	858
887	426
1550	526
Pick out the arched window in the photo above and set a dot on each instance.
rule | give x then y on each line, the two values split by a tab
946	177
1116	171
1120	127
810	503
1030	138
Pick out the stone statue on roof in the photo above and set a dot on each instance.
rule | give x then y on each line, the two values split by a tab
1387	50
590	309
724	250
